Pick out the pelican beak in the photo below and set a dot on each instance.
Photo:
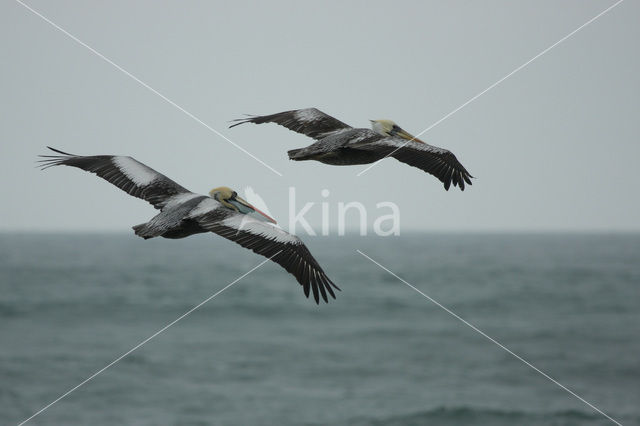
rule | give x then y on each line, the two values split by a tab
408	136
246	208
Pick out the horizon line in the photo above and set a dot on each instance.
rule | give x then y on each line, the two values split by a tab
355	231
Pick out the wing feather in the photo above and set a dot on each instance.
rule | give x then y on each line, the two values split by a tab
438	162
126	173
283	248
309	121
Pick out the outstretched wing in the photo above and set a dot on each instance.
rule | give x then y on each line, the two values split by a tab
309	121
265	239
439	162
126	173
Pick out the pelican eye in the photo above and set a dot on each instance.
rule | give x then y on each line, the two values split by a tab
234	194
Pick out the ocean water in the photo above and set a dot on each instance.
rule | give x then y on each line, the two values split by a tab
260	353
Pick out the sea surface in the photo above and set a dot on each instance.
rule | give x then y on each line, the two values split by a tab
260	353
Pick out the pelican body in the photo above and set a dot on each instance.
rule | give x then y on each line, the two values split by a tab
184	213
339	144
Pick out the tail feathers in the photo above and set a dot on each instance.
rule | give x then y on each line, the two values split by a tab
145	231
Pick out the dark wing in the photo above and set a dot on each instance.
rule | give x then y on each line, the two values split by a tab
126	173
439	162
265	239
309	121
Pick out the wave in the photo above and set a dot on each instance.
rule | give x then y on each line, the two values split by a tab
485	416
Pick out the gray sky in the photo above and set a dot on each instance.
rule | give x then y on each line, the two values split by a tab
554	147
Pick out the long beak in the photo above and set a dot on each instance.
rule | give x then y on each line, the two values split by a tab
404	134
246	208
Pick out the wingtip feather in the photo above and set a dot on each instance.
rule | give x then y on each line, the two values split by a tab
238	121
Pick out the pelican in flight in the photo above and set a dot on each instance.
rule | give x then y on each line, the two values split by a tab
339	144
184	213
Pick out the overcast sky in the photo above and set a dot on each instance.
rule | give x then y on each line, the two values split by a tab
553	147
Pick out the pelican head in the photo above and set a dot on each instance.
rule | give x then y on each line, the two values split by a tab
230	199
389	128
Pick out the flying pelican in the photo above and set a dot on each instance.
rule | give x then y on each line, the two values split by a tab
339	144
184	213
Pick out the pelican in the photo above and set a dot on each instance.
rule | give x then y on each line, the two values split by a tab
339	144
184	213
